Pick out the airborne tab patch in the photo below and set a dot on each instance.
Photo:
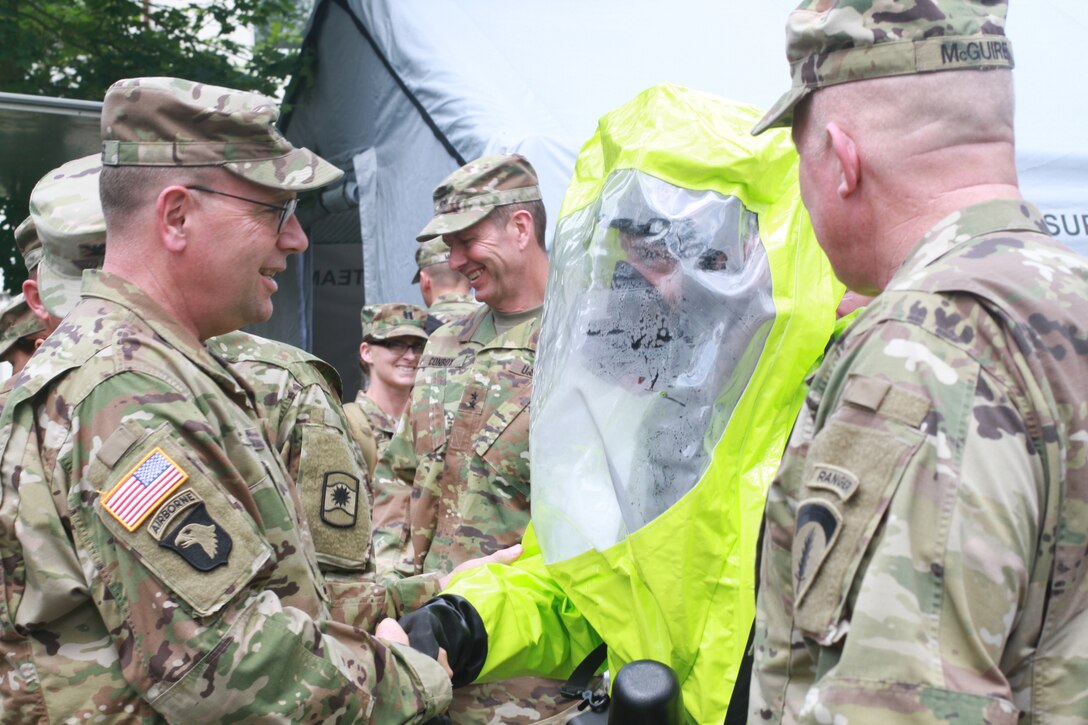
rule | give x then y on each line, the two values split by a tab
160	523
143	488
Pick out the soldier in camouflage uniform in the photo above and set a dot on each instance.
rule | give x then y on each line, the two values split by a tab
393	340
156	563
20	329
454	482
74	240
30	249
30	246
297	396
51	288
445	291
924	557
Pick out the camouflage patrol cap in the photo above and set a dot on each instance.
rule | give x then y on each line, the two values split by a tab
174	122
469	194
850	40
429	253
395	319
67	213
26	238
17	322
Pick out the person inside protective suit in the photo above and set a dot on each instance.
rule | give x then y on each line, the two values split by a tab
686	301
683	310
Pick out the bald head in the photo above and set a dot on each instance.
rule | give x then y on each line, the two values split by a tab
438	279
903	117
886	158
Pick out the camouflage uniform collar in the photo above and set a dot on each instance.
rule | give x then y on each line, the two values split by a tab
379	419
242	347
470	326
480	328
453	297
120	291
1014	215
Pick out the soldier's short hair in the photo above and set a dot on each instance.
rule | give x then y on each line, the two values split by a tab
67	216
444	276
501	216
125	189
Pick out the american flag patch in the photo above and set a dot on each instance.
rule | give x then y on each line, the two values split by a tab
143	489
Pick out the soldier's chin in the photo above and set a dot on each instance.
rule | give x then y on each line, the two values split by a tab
263	313
236	322
482	293
264	317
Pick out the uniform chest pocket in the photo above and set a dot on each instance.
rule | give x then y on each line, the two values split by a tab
502	440
159	512
853	469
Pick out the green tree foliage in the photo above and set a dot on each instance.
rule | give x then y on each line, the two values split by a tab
77	48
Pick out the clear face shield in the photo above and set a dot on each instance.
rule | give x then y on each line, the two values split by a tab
658	308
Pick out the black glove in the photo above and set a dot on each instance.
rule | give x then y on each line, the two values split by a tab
450	622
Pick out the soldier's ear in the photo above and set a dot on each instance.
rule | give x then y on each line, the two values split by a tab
173	213
34	299
521	223
849	161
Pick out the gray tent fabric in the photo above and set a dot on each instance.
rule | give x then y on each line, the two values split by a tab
405	91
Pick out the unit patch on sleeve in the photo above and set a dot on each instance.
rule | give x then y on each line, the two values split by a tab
818	526
141	490
184	526
340	500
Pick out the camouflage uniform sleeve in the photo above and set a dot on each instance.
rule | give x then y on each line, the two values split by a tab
411	592
363	602
227	625
394	477
332	479
902	542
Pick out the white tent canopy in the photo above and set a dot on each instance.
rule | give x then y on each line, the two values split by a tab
404	91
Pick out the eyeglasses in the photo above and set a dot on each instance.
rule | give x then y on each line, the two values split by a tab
286	209
400	347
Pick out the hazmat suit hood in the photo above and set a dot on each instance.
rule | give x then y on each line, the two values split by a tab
687	300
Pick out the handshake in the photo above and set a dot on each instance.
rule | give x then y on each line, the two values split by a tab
447	624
